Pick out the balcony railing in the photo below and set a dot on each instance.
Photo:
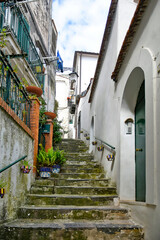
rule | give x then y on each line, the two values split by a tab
13	92
13	20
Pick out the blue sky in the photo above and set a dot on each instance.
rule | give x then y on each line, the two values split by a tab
80	25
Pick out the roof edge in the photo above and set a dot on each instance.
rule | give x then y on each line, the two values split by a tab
136	20
104	45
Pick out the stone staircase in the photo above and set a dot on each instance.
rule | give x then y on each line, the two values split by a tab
76	204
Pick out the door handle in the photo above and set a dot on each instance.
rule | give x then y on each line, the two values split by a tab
139	149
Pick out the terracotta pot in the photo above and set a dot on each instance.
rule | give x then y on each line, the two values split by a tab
50	115
34	90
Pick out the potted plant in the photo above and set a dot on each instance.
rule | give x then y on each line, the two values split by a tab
59	160
2	190
34	90
45	161
50	115
26	168
110	157
100	148
94	143
87	138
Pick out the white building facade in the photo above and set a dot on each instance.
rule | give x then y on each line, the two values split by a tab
121	110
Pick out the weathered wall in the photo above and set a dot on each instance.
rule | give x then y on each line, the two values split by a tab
14	144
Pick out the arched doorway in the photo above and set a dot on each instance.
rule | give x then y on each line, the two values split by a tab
140	162
128	168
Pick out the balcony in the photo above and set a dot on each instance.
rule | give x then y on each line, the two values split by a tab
13	92
13	21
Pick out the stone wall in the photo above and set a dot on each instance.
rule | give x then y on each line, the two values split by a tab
16	141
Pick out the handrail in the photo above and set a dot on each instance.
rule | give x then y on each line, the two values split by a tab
106	143
10	165
101	140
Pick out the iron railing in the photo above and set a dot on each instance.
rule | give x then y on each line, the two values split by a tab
10	165
12	19
13	92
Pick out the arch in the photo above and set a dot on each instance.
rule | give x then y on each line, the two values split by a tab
143	68
127	142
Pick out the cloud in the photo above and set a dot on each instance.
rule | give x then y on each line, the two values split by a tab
80	25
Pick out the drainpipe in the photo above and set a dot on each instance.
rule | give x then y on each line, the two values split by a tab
80	73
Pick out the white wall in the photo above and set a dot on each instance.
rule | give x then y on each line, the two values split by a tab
62	91
114	102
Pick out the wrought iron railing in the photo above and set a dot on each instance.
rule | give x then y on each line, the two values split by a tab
10	165
13	92
12	19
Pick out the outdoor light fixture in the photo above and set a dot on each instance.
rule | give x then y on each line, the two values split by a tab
129	123
73	76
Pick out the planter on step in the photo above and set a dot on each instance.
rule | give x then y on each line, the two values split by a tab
87	138
56	168
94	143
45	172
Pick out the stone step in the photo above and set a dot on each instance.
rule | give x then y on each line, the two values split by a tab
64	199
72	190
79	156
83	182
80	165
73	212
81	170
72	182
78	230
84	190
72	146
78	175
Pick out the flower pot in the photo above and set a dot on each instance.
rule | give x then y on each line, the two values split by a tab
110	157
100	149
50	115
87	138
25	169
2	192
34	90
56	168
94	143
45	172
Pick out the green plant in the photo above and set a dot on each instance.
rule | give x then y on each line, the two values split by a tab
57	131
26	163
42	116
2	183
59	157
46	159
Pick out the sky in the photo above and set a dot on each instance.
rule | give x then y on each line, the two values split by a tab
80	25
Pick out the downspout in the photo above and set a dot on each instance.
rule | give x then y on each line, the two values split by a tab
80	73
